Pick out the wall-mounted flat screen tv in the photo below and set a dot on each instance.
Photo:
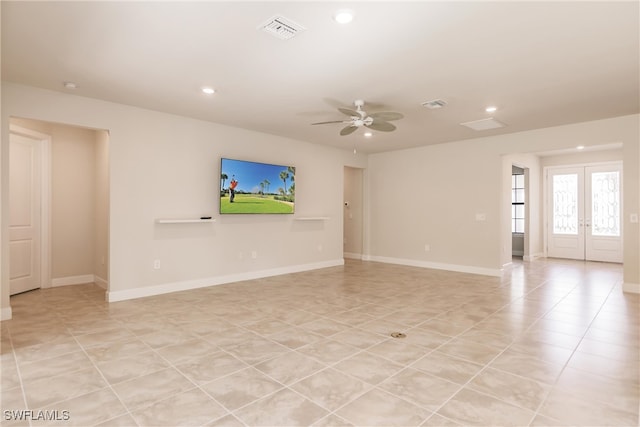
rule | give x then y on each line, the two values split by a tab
256	188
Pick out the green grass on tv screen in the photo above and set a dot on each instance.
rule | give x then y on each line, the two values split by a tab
254	203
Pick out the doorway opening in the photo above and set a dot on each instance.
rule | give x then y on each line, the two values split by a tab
519	207
353	213
29	160
59	205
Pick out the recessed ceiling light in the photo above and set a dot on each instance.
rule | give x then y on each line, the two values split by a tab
343	16
208	90
580	147
491	109
368	134
70	85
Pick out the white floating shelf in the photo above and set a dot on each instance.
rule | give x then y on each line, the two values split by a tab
312	218
182	220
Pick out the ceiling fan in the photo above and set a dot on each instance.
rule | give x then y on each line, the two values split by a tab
358	118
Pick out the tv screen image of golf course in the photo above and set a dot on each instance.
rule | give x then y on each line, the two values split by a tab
256	188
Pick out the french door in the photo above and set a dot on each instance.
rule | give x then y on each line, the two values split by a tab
585	213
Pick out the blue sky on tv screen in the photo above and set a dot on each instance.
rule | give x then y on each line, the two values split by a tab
250	174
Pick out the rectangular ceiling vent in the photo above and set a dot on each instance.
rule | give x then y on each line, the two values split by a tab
281	27
484	124
434	104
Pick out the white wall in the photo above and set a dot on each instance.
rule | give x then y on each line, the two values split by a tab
431	195
582	157
162	165
72	202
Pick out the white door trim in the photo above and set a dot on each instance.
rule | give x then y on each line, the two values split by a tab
44	142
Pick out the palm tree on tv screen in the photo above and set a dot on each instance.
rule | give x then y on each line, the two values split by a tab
284	175
223	177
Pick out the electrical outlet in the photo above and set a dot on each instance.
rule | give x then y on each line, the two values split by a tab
427	247
254	254
633	218
319	248
156	264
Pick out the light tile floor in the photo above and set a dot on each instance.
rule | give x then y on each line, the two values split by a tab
549	343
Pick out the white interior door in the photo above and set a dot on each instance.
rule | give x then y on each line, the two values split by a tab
585	213
24	215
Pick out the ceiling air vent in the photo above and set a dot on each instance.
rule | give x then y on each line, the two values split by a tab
484	124
434	104
281	28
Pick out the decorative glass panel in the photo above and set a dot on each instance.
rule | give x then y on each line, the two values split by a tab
605	203
565	204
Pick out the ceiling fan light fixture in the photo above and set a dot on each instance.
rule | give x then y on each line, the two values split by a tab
343	16
378	121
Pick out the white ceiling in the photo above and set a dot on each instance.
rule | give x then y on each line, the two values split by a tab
541	63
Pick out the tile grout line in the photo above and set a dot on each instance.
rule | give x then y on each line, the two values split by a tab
541	405
109	386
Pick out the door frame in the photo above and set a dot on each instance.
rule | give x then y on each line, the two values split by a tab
545	197
43	144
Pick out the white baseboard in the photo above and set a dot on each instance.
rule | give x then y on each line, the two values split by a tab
532	256
165	288
633	288
73	280
103	283
352	255
438	266
5	313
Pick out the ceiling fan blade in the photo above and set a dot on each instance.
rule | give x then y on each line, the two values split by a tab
333	121
386	115
349	112
381	126
348	130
